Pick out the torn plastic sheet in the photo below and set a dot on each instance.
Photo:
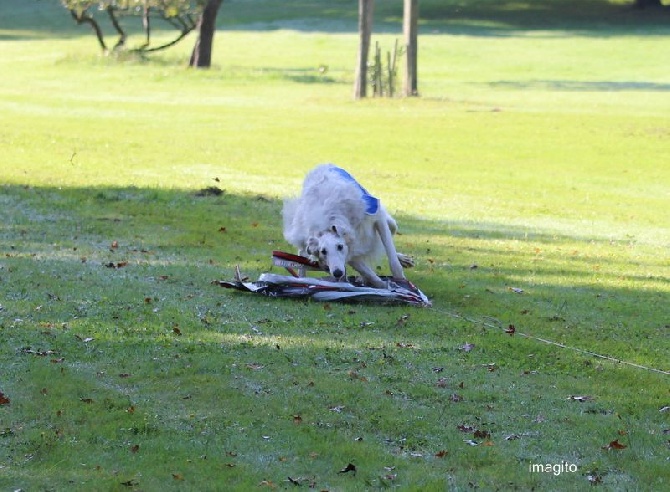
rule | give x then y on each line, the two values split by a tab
326	288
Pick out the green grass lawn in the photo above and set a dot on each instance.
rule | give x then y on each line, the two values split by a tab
530	182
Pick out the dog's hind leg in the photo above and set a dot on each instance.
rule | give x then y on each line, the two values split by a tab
384	231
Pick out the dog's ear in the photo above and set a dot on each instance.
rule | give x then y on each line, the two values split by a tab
313	246
342	231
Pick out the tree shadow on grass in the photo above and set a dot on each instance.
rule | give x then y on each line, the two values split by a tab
32	20
574	289
581	86
114	336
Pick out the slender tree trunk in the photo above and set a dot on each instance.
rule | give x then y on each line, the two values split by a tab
201	56
410	31
115	22
365	11
85	18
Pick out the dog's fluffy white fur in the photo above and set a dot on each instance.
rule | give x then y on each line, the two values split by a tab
329	222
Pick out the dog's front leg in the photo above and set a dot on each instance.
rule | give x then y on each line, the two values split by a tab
368	274
387	240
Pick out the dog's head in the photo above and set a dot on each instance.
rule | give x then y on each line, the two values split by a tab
331	249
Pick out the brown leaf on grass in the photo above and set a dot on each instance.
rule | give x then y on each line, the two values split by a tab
118	264
58	360
222	229
130	409
614	445
441	454
176	330
404	345
465	428
481	434
349	468
4	400
178	476
134	448
115	244
297	419
511	330
594	478
442	383
124	375
355	375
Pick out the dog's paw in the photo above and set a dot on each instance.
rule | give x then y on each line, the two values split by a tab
405	260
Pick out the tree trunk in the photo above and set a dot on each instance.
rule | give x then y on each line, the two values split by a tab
410	31
365	11
201	56
85	18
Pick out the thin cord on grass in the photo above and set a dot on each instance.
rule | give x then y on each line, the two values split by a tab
497	325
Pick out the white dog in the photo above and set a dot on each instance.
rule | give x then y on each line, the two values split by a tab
337	222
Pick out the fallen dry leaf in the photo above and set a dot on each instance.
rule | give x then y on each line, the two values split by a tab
4	400
442	383
441	454
134	448
482	434
614	445
511	330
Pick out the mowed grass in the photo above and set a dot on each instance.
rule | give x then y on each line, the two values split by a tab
530	182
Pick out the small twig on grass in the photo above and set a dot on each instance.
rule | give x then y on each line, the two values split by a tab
499	326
